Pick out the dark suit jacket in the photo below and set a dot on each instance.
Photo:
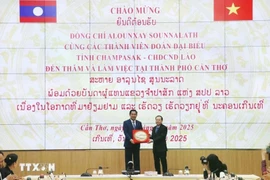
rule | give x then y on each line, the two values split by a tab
159	138
5	172
128	128
217	171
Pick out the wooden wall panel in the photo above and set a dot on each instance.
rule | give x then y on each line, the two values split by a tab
77	161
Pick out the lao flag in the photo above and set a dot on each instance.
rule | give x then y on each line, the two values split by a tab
38	11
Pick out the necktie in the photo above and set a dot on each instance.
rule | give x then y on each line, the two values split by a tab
134	124
156	129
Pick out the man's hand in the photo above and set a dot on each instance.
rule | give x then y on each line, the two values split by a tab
12	177
131	140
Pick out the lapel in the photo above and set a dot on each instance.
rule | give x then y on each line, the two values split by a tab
155	130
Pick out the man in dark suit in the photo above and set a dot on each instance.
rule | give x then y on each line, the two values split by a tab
158	138
132	149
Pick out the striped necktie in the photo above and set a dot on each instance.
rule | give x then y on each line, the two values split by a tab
134	124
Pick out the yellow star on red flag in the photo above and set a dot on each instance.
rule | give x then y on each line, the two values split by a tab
233	9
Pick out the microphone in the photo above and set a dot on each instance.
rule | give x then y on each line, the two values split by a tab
86	174
100	171
130	170
130	165
205	174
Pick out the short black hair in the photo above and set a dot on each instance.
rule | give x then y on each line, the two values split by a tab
10	159
1	153
160	117
133	110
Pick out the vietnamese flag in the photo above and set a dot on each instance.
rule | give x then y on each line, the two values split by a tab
233	10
